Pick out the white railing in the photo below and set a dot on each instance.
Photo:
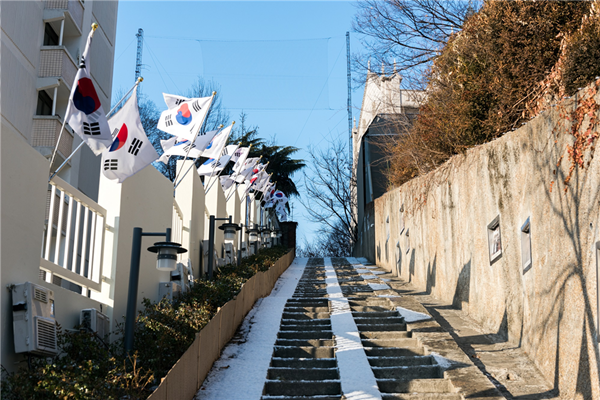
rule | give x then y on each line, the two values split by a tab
177	224
74	238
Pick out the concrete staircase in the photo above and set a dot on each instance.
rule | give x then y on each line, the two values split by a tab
304	364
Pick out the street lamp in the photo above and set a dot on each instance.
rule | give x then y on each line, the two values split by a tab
229	229
274	237
266	235
253	237
166	261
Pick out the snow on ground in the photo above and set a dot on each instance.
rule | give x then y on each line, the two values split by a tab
378	286
363	270
379	272
241	371
356	376
367	277
363	260
441	360
412	316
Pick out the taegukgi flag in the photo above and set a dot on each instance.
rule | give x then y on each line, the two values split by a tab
246	170
216	145
213	166
185	119
84	112
181	147
131	151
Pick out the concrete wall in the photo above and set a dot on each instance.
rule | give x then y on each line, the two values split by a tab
144	200
24	189
433	232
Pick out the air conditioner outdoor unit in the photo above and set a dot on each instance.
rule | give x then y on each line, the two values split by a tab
170	290
34	323
94	321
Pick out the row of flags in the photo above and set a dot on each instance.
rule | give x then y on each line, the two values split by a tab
126	150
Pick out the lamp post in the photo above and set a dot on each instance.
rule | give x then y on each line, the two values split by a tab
229	228
166	261
239	252
266	235
274	237
253	237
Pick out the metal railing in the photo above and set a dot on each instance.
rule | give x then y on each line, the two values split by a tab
74	237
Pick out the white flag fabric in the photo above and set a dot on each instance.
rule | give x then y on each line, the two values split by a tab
281	211
185	119
212	167
180	147
280	197
240	155
216	145
85	114
226	182
131	151
173	100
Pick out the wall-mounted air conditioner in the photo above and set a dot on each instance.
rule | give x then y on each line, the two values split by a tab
94	321
34	322
170	290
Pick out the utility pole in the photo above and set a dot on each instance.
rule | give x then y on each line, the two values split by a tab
349	97
138	59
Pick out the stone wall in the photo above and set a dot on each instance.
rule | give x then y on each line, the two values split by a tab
433	231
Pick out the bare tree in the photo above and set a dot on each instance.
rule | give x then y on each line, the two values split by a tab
411	32
329	199
217	115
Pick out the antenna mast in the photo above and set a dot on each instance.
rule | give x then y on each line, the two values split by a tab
349	97
138	60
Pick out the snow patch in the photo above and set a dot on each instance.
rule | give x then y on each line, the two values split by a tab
442	361
367	277
412	316
378	286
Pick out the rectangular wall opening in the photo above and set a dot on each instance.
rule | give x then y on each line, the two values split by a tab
526	246
494	240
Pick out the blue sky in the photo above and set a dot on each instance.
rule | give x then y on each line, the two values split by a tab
283	63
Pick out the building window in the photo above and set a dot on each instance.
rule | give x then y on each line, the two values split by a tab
44	104
494	240
50	36
526	246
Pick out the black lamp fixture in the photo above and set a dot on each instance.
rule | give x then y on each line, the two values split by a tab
253	236
166	261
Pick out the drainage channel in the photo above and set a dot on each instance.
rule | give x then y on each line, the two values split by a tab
402	367
303	365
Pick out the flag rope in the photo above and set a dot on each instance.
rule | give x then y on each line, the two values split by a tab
140	79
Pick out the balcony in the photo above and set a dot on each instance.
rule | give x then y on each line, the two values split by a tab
46	129
56	62
70	11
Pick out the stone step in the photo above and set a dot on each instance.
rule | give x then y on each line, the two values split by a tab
303	374
380	314
386	335
400	342
310	302
306	309
409	372
302	388
312	324
306	334
395	352
369	308
422	396
278	362
400	361
304	315
378	320
381	327
304	352
372	301
415	386
305	342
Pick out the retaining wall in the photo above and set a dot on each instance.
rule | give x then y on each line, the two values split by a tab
185	378
434	232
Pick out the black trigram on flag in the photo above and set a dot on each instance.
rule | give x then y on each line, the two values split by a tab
82	62
91	129
115	133
111	164
168	121
196	106
179	101
135	147
188	146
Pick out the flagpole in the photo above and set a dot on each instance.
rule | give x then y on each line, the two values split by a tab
62	128
238	173
140	79
191	166
192	143
221	171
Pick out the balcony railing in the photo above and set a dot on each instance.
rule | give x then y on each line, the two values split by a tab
55	61
74	8
45	135
73	239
